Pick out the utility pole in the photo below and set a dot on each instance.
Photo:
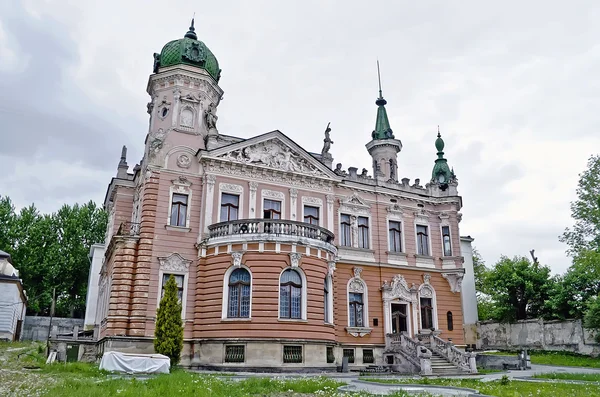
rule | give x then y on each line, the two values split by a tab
50	325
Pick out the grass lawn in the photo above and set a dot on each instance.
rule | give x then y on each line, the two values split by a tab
568	376
565	359
507	388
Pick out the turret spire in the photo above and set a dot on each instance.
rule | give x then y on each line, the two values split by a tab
382	124
441	174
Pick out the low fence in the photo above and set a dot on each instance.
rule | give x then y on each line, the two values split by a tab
36	328
538	334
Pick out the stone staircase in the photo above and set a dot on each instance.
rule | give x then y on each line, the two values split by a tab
442	367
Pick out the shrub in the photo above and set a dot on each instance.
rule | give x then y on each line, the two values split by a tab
169	327
592	317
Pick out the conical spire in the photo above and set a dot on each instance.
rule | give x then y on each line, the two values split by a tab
382	124
191	34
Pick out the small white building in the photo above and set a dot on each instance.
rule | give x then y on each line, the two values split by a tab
13	300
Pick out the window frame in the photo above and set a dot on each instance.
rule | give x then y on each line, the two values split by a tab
428	231
401	237
230	206
303	299
179	204
449	321
341	225
233	189
272	211
354	310
183	188
311	218
185	275
444	253
225	299
361	231
365	292
239	286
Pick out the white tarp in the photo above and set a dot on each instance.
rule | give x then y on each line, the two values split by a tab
135	363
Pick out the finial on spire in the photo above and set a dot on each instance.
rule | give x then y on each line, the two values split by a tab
439	135
191	34
380	101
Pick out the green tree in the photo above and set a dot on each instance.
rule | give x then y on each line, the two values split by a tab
169	327
592	316
519	288
585	211
7	223
577	286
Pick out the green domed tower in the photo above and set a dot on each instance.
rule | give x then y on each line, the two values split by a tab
188	51
441	174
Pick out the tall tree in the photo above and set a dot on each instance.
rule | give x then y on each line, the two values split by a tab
169	326
585	211
7	223
518	288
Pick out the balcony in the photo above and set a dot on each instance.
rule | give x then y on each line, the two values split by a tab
277	230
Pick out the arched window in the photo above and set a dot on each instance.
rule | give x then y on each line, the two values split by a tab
239	294
450	321
290	295
426	313
356	308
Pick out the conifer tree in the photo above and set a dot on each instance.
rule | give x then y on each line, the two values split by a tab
168	336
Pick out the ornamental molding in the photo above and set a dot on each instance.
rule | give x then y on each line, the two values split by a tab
459	217
331	267
426	289
174	263
330	198
358	332
421	216
210	180
184	161
312	200
253	186
194	52
398	289
273	154
156	141
445	219
295	258
395	210
205	85
356	286
357	272
354	204
236	258
230	188
274	177
293	193
272	194
455	280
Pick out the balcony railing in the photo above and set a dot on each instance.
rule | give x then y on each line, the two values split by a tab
277	227
128	229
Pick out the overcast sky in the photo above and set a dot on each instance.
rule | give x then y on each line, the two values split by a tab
513	85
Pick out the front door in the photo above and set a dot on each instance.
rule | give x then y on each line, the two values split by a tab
399	318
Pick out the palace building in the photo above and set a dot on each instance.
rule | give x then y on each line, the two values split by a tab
282	260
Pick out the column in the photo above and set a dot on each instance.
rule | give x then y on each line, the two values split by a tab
293	203
209	180
330	226
252	200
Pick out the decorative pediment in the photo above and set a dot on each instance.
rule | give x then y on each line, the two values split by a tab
395	209
398	289
421	216
444	218
455	280
174	263
275	154
354	204
426	289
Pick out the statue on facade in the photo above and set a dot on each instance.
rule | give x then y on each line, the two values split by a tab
339	171
327	142
211	118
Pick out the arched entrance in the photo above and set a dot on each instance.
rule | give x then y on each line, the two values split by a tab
399	307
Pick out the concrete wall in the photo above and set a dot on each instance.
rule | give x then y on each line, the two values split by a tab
538	334
91	304
36	328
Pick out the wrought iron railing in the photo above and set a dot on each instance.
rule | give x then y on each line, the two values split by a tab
277	227
128	229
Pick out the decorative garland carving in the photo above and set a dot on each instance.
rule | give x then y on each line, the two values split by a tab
174	263
273	194
312	200
398	289
230	188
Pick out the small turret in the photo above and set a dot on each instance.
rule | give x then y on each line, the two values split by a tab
441	175
123	167
383	147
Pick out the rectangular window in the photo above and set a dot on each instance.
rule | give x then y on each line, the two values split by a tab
426	313
330	355
395	234
292	354
311	215
363	232
234	354
356	308
230	205
368	357
350	354
345	236
422	240
272	209
179	206
178	280
446	240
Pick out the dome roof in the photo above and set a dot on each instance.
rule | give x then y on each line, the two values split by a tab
189	51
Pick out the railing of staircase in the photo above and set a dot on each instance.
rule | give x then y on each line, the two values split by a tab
459	358
413	349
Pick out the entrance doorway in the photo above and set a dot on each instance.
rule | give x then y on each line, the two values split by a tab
399	318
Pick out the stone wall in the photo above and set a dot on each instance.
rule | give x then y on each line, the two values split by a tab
538	334
36	328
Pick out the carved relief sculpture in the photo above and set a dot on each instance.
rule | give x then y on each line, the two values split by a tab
184	161
236	258
454	280
174	263
295	259
211	119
